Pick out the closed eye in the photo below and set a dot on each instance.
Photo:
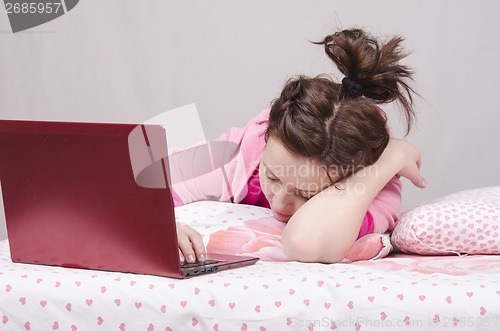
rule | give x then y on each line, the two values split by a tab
269	176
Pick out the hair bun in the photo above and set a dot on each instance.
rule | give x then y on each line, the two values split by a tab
371	67
354	87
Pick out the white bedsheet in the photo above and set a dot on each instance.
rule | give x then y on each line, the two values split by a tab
399	292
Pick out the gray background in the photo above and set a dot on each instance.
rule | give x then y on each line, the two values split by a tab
126	61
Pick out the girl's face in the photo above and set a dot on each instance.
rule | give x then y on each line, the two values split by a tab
288	181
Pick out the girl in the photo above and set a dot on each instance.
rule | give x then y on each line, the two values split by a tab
321	158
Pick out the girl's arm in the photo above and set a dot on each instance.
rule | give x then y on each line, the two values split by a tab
325	227
218	170
216	184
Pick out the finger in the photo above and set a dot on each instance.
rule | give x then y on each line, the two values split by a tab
422	183
188	253
418	180
196	243
185	247
419	163
181	256
198	246
421	180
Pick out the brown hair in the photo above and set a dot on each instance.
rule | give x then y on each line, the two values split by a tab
332	122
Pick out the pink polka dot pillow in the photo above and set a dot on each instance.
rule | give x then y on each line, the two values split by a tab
464	222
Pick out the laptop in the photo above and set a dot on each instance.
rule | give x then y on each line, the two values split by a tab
93	196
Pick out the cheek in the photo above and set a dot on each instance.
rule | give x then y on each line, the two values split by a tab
299	203
295	204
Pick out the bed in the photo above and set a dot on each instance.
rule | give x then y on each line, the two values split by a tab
402	291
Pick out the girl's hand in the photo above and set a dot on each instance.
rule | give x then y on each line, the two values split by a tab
191	247
408	160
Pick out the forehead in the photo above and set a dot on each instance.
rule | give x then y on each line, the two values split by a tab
284	164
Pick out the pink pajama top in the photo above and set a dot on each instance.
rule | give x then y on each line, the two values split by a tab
238	181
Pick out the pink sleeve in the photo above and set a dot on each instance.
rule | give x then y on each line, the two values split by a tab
386	206
229	182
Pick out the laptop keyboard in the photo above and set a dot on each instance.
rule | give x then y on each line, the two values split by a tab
198	263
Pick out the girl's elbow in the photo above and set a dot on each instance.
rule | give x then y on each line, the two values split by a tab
301	248
295	249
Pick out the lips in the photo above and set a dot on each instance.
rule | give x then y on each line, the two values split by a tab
281	216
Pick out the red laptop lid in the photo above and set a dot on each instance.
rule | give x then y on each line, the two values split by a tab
79	195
